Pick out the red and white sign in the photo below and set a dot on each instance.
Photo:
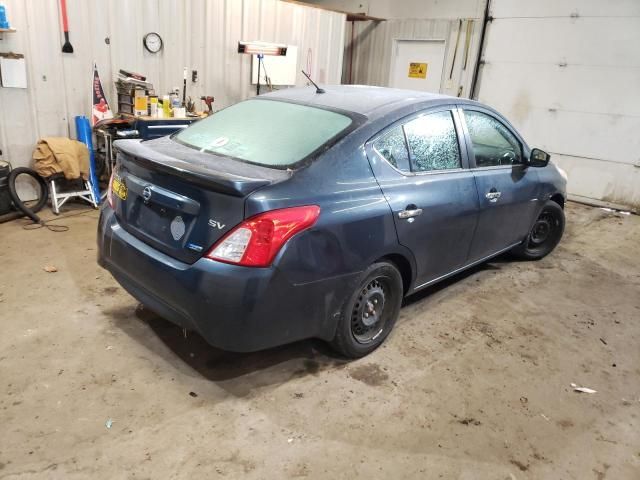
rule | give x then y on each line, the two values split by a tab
100	110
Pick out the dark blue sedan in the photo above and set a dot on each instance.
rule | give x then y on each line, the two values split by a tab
300	214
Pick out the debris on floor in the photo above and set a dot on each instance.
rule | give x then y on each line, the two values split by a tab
108	423
617	213
576	388
470	421
50	269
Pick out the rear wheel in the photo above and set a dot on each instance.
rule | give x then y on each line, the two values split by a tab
544	235
370	312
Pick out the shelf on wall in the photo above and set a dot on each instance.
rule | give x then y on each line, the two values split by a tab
6	30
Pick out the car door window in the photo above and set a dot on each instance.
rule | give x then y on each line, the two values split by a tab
493	144
393	147
433	142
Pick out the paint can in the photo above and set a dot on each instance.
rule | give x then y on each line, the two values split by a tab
141	105
166	106
153	106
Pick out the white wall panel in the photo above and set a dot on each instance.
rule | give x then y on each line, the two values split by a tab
409	20
393	9
565	8
610	183
553	40
199	34
373	49
568	75
566	111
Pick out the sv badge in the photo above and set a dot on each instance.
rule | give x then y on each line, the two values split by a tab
216	224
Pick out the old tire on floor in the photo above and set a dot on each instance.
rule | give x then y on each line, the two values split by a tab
370	312
545	234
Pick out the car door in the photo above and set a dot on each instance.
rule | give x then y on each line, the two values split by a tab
422	168
507	189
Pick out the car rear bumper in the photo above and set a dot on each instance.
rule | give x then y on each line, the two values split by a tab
234	308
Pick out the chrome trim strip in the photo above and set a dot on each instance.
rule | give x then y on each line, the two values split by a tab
498	167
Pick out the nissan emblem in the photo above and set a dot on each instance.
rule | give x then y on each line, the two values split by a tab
146	194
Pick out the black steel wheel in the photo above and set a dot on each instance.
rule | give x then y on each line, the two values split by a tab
368	316
542	229
370	312
545	234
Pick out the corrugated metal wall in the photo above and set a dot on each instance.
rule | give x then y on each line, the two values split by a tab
374	41
199	34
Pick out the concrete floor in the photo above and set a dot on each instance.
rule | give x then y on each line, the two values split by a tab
473	383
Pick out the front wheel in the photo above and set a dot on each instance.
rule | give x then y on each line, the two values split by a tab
370	312
544	235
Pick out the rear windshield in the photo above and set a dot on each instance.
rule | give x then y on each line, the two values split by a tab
270	133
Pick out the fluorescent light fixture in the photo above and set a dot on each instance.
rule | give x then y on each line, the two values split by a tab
262	48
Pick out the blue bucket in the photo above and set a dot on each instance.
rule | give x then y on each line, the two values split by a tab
4	23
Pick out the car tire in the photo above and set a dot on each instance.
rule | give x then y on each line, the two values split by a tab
370	312
545	234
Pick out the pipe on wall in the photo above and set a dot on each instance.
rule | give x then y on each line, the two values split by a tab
479	62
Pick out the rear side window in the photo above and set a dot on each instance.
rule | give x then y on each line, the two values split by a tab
433	142
493	143
393	148
265	132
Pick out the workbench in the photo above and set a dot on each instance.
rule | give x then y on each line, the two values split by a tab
149	127
144	127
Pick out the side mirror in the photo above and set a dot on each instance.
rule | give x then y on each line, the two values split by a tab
538	158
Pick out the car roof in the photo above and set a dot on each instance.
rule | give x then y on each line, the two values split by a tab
365	100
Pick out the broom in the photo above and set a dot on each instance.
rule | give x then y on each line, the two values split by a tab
67	47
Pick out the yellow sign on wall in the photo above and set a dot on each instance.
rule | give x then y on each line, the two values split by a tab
417	70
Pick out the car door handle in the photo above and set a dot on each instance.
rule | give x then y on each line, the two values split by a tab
410	212
493	195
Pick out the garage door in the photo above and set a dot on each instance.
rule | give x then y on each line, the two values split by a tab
568	75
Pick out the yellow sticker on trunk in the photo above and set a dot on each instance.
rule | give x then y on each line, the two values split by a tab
119	188
417	70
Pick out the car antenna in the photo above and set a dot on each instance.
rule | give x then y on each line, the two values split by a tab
318	89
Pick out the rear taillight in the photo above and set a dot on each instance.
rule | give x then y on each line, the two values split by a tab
257	240
109	189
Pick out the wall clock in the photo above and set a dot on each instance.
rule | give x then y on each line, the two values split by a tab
152	42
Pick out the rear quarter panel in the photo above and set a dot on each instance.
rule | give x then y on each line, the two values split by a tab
355	226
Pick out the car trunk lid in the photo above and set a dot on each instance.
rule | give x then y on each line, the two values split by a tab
180	200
